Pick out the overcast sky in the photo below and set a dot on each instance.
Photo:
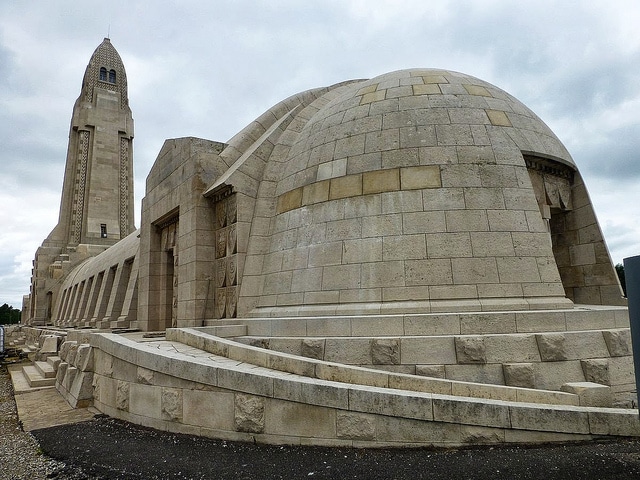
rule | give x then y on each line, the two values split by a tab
207	68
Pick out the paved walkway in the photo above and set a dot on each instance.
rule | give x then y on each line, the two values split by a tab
43	407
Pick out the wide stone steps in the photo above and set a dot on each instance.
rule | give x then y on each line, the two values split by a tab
35	378
45	369
54	361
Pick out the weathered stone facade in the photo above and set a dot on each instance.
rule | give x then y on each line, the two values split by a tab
411	259
96	210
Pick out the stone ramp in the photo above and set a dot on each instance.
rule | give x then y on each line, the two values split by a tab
172	386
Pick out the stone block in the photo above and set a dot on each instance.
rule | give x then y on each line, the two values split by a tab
433	371
382	225
486	244
428	272
420	177
490	413
243	379
352	351
374	326
448	245
312	348
49	345
315	192
498	118
513	348
582	254
379	181
414	433
69	377
385	351
339	277
355	426
403	247
432	324
61	372
82	389
476	372
488	323
624	423
292	364
311	391
550	419
171	404
359	376
64	350
518	270
122	395
470	349
394	403
590	394
249	413
483	390
298	419
552	347
145	400
145	376
360	251
618	342
470	271
84	358
416	383
381	274
467	221
208	409
427	350
596	370
519	375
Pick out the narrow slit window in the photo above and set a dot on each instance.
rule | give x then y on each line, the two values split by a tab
103	230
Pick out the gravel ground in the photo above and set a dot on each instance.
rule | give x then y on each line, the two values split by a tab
20	455
104	448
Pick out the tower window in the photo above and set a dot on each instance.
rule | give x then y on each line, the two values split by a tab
112	76
103	230
103	74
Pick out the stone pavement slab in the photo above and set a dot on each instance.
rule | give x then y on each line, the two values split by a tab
44	407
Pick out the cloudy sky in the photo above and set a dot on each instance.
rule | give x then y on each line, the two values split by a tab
207	68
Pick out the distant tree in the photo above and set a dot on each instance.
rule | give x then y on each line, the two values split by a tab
620	272
9	315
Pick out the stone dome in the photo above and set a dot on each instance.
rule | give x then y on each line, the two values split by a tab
417	117
414	188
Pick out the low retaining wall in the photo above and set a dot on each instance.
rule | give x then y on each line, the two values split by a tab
171	386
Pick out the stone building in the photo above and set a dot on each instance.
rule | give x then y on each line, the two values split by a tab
419	190
423	225
96	210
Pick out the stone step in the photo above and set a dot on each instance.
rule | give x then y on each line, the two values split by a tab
19	380
45	369
35	379
225	331
54	361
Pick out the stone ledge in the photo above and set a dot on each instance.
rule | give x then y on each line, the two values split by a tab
379	416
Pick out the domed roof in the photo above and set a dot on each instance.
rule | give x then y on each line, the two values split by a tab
425	116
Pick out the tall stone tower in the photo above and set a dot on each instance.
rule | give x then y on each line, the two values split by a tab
96	210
